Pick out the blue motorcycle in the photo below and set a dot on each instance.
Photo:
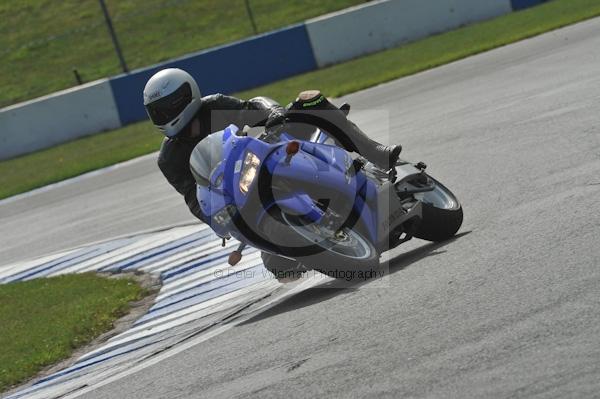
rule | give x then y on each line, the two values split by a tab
313	203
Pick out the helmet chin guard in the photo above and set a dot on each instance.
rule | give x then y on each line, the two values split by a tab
172	98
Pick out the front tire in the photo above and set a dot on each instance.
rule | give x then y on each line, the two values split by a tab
345	253
281	267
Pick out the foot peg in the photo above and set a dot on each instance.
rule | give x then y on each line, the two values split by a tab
236	256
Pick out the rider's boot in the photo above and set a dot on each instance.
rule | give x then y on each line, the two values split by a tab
381	155
347	133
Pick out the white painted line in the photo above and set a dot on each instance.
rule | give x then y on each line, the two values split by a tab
210	256
175	259
209	248
143	245
178	325
9	270
106	378
219	270
204	276
268	284
218	305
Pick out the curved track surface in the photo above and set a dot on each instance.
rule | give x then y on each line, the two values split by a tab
509	308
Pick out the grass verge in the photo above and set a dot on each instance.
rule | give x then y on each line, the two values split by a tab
67	160
42	321
42	41
76	157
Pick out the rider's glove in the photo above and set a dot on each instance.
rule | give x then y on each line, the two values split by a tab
276	117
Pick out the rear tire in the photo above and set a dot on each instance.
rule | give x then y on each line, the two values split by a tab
439	223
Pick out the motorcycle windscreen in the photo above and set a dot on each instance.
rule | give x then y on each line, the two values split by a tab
205	157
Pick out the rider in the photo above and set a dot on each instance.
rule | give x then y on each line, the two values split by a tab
174	104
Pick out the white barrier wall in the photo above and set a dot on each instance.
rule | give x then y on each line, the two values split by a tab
379	25
108	104
56	118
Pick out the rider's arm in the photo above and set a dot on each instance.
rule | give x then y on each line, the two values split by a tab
173	161
248	112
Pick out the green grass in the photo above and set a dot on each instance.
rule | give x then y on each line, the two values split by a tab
42	321
41	41
76	157
37	169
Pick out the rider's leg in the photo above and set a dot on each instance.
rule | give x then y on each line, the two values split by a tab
350	136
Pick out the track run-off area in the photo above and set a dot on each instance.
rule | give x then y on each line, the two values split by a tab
511	307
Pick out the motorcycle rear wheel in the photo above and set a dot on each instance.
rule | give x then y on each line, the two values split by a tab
442	214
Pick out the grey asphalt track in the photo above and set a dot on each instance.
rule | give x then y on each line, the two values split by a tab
510	308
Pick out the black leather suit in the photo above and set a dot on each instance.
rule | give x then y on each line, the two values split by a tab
216	113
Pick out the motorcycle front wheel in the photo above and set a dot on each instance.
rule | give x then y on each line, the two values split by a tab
337	253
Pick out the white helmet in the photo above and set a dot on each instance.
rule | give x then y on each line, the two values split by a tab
171	98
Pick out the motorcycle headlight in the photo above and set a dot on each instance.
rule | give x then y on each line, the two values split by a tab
249	170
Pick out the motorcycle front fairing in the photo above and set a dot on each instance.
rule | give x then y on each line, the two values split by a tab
304	183
232	211
312	180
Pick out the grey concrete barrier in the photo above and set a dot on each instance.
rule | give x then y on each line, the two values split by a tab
57	118
329	39
384	24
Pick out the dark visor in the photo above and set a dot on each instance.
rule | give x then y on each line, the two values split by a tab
164	110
